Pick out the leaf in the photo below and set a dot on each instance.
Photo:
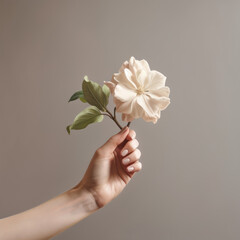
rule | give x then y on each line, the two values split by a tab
68	129
87	116
106	92
77	95
94	94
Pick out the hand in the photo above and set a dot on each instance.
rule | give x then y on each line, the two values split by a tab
112	167
107	175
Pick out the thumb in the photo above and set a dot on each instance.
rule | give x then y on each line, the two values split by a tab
115	140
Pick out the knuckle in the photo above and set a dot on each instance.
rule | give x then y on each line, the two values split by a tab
132	134
127	145
135	143
139	165
132	144
99	152
138	153
111	139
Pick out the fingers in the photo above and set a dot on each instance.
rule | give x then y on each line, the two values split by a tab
129	147
131	154
131	135
115	140
135	167
131	162
131	158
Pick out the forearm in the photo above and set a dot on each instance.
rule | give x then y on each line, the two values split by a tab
49	218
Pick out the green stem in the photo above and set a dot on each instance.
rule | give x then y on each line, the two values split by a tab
114	118
105	114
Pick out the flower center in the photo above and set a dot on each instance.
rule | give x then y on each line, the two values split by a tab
140	90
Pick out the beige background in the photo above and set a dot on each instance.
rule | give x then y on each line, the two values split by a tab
189	188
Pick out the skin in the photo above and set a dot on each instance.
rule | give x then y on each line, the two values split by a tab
106	176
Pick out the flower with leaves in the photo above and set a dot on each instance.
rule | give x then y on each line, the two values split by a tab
138	92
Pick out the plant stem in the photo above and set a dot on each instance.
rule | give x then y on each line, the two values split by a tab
114	118
105	114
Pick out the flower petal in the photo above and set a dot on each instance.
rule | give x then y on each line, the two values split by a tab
164	103
138	65
124	107
156	80
146	118
156	102
124	93
132	61
124	65
145	65
127	117
161	92
142	78
126	79
149	114
111	86
114	80
130	110
135	70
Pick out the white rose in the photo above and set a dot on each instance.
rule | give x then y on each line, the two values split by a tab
139	92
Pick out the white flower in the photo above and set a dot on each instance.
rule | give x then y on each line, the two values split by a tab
139	92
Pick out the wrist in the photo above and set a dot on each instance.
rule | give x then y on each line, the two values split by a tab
93	194
83	198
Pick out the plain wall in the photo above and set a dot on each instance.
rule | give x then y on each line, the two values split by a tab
189	188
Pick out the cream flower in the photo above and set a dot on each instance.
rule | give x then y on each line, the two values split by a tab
139	92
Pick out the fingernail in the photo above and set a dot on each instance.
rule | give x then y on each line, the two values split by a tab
124	152
125	161
130	169
133	135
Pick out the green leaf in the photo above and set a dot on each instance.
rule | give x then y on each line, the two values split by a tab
94	94
77	95
106	92
68	129
87	116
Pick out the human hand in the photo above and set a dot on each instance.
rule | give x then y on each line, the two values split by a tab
112	167
105	178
